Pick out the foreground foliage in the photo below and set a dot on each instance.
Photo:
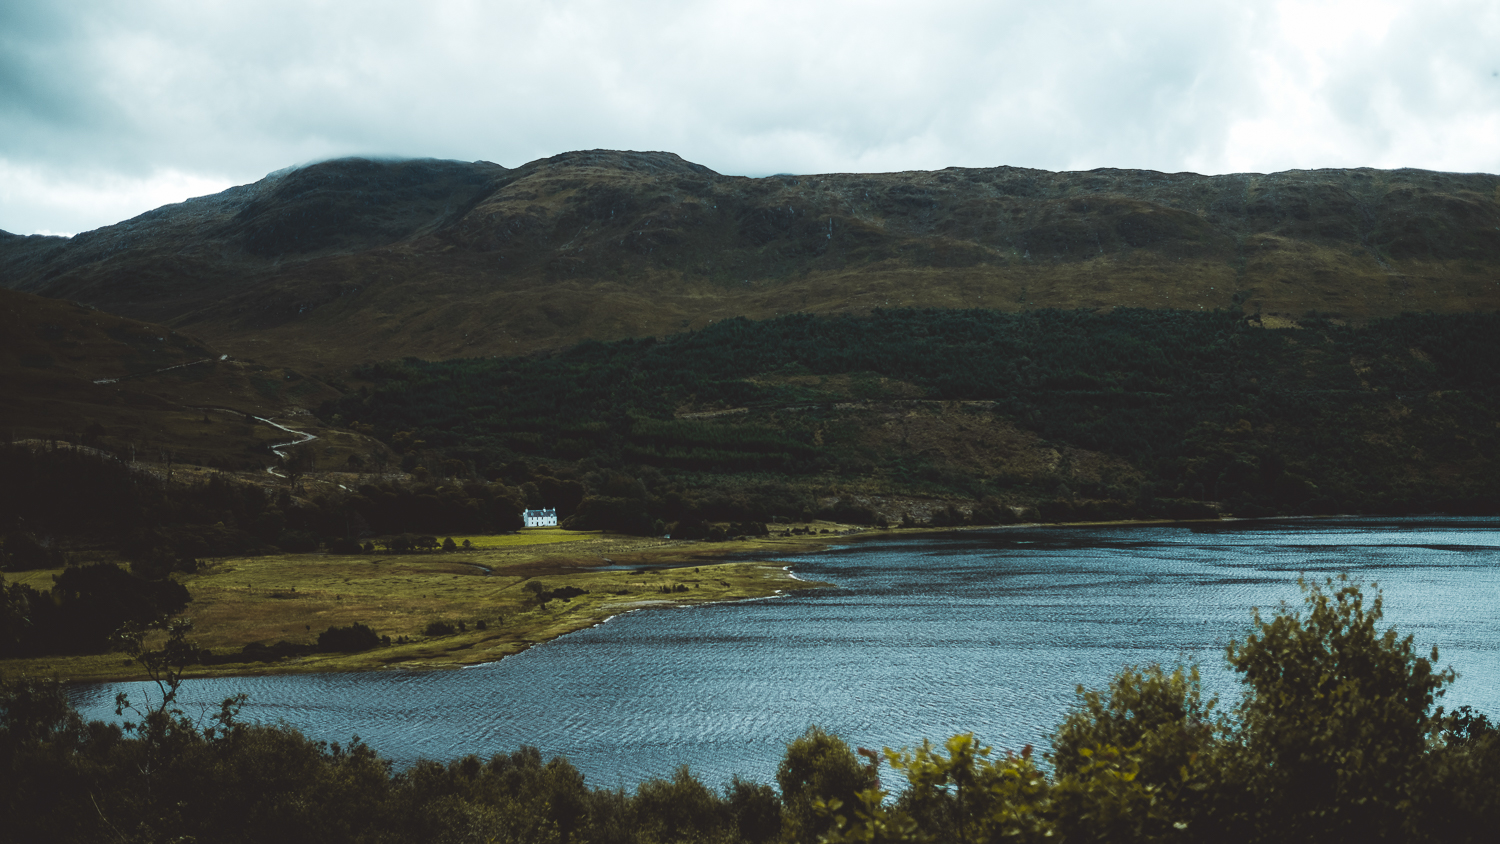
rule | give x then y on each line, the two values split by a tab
1336	738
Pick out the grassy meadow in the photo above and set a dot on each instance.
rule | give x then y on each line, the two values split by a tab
482	592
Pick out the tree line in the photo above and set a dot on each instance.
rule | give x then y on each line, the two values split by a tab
1211	407
57	492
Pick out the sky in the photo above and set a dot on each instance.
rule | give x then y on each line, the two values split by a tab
110	109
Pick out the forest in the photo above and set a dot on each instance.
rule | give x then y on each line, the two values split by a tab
1209	407
89	512
1338	736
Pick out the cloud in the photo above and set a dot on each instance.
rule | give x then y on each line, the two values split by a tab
1351	84
171	96
72	194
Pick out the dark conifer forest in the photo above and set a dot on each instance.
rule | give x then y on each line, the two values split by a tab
1214	412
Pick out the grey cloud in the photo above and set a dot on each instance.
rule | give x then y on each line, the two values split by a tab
233	91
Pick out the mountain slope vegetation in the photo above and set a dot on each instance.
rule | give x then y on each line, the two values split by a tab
675	346
80	375
1084	414
353	260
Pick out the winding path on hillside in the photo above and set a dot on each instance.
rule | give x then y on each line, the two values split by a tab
276	448
155	371
279	449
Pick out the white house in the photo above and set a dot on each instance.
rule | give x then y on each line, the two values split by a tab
541	518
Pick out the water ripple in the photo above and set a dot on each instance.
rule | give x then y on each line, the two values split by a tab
981	631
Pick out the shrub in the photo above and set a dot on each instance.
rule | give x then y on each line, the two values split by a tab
755	808
439	628
818	767
675	809
297	542
355	637
1336	716
1161	711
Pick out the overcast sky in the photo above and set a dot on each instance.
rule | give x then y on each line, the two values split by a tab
110	109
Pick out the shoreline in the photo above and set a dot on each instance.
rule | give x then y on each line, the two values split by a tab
620	575
240	601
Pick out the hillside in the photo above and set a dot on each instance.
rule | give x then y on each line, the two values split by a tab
1080	415
353	260
72	373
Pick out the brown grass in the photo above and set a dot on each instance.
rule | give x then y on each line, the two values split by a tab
294	597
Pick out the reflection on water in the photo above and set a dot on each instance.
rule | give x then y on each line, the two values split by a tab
987	631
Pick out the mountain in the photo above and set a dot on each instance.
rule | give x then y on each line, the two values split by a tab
355	260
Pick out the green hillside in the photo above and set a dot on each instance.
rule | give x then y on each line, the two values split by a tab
1082	414
352	261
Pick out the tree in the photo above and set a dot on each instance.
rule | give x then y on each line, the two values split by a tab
297	463
1160	712
93	602
355	637
16	600
620	515
165	666
20	551
1337	716
818	767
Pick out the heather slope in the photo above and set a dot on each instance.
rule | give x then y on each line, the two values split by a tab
80	375
355	260
1076	413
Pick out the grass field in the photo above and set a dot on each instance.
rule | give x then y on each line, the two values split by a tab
528	536
294	597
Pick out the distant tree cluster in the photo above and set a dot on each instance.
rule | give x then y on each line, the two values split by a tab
167	527
86	606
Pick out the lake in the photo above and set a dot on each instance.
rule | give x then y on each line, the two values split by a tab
987	631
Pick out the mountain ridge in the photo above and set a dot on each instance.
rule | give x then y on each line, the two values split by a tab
352	260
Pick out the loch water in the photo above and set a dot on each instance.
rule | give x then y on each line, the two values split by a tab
987	631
